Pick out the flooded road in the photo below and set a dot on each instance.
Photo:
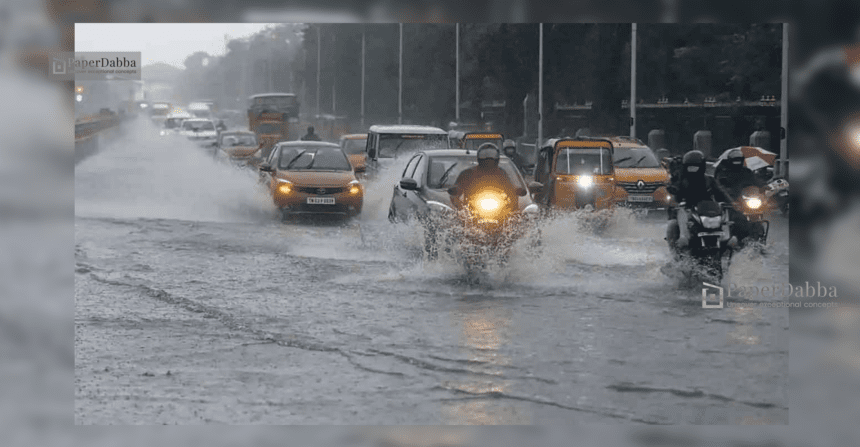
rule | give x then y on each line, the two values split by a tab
195	304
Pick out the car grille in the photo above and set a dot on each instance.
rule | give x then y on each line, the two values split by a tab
633	188
320	190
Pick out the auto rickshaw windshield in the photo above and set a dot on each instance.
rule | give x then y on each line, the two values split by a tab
580	161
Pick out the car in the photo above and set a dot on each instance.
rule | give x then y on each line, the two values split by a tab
199	130
430	173
641	178
239	147
353	145
312	177
576	173
386	143
173	123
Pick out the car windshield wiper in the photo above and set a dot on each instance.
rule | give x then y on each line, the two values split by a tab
445	175
294	159
622	159
640	160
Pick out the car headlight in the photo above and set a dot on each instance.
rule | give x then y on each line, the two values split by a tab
753	203
439	207
585	181
531	209
285	186
354	187
163	133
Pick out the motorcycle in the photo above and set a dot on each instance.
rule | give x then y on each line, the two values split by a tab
776	193
711	241
751	225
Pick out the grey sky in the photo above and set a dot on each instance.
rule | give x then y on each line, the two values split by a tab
169	43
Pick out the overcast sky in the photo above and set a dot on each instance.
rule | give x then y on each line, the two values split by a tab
169	43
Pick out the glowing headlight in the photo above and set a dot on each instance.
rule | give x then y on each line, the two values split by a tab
753	203
585	181
489	204
285	186
354	187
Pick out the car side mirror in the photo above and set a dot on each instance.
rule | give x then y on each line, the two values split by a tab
408	184
265	167
521	192
536	187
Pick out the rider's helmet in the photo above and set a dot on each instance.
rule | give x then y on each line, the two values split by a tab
509	147
488	155
694	162
310	130
735	159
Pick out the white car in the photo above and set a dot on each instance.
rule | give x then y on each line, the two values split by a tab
199	130
173	123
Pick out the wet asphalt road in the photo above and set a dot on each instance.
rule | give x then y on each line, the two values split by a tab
194	304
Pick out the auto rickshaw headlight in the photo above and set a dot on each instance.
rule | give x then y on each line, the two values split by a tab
285	186
585	181
753	203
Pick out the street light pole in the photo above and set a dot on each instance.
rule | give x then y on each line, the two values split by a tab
782	169
362	78
540	89
633	82
457	75
319	45
400	82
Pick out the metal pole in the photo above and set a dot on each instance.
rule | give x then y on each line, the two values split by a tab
540	88
400	82
782	169
362	79
457	76
633	82
319	45
334	80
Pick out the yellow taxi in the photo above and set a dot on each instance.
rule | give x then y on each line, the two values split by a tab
576	172
312	177
639	174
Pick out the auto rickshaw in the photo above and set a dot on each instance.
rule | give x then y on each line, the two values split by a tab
576	172
474	140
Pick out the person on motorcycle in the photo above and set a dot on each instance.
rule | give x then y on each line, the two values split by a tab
509	147
690	187
731	178
487	174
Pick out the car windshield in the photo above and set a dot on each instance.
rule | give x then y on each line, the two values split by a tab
581	161
296	158
239	140
635	157
198	126
443	170
353	147
391	145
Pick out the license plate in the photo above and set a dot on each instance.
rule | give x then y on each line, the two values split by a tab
320	200
640	198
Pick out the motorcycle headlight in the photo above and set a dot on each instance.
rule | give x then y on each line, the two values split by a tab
488	203
753	203
285	186
585	181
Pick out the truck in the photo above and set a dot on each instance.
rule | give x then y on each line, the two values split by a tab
273	117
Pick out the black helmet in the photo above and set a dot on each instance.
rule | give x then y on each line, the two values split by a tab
310	129
735	158
489	151
694	161
509	143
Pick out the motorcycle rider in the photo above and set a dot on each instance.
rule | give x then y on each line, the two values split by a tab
731	178
689	187
509	147
487	174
